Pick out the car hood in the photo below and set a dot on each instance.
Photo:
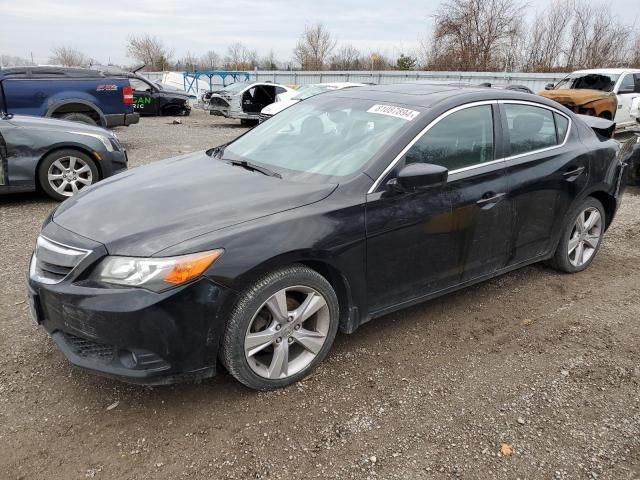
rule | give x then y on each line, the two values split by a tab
575	96
148	209
55	124
277	107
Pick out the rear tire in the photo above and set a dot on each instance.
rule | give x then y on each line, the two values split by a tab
78	117
281	328
71	166
581	238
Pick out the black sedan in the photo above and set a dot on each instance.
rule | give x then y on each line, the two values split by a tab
60	157
340	209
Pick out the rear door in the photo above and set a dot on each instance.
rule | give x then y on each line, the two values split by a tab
547	167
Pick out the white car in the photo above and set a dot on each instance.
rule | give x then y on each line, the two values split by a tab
244	100
287	99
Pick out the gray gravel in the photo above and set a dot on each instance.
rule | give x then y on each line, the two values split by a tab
537	364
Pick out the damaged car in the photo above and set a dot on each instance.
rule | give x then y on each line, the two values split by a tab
604	93
245	100
342	208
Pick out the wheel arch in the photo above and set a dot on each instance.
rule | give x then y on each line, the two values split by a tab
77	106
609	203
337	278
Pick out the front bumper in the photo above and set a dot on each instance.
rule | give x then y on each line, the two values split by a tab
113	162
133	334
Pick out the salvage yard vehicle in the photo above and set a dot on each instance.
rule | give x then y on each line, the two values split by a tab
604	93
245	100
60	157
304	92
340	209
74	94
152	99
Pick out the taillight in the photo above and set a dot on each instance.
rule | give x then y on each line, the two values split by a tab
127	95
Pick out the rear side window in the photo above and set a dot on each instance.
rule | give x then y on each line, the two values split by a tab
461	139
530	128
562	125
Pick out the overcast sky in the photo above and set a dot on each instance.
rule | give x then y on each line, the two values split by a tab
99	28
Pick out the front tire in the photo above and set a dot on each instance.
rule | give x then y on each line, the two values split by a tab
582	237
79	117
281	328
64	173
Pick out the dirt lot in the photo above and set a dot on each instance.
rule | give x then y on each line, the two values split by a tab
544	362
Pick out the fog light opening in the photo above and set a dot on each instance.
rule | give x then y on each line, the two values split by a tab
128	359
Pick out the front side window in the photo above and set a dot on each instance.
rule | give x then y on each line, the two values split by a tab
139	85
627	84
323	139
530	128
461	139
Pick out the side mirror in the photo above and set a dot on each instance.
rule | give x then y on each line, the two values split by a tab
549	86
418	176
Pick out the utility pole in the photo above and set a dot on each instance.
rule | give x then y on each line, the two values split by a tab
32	62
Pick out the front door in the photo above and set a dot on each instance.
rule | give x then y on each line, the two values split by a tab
420	243
144	101
3	161
628	89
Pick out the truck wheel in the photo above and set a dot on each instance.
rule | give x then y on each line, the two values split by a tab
64	173
78	117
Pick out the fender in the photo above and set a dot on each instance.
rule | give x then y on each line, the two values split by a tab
55	104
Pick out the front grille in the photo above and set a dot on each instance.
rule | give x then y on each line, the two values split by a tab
52	261
263	117
89	349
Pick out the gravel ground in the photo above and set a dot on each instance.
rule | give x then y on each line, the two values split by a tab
531	375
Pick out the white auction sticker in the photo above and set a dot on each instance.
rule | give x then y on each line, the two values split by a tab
392	111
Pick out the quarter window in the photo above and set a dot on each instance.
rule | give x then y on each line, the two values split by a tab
562	125
530	128
459	140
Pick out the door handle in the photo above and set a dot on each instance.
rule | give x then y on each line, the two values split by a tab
489	199
574	173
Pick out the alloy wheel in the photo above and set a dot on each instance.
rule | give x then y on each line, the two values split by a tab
287	332
68	175
585	237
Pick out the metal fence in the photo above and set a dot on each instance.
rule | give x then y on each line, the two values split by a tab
535	81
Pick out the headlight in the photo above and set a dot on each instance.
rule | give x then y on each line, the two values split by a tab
103	139
155	274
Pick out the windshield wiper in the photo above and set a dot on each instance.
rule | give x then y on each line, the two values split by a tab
254	168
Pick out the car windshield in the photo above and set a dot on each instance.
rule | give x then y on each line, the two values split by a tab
235	88
323	139
592	81
308	91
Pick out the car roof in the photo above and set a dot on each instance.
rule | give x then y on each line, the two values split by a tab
427	95
605	71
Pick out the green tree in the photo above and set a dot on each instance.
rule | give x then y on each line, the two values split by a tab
406	62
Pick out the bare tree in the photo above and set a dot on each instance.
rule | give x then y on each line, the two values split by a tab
314	47
269	62
544	51
210	60
347	57
13	61
149	50
475	34
240	57
68	57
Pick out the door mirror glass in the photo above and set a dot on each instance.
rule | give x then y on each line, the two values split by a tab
417	176
549	86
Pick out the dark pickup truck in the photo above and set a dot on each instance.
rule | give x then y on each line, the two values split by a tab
75	94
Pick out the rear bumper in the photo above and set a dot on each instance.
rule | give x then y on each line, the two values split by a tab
121	119
135	335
